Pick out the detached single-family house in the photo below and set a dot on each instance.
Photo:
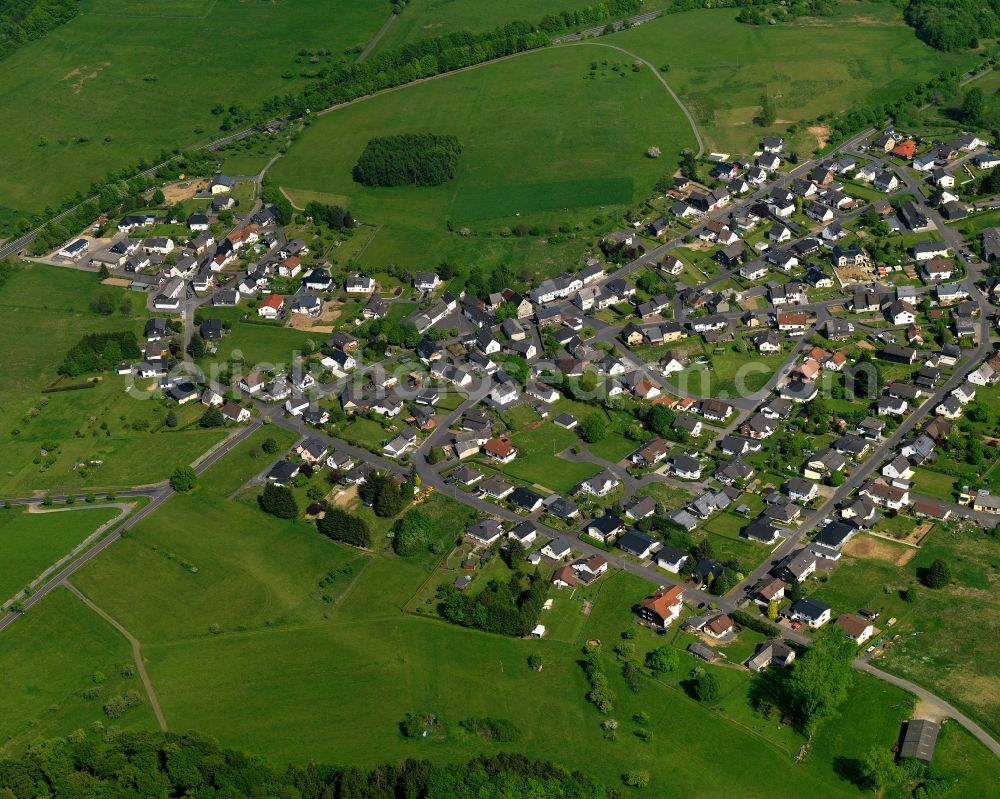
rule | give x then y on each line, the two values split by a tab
663	607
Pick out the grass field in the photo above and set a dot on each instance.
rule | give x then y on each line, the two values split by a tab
44	311
31	542
52	655
247	649
536	460
861	54
152	83
552	173
261	344
948	638
426	18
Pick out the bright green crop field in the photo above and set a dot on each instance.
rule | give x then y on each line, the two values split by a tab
545	140
127	78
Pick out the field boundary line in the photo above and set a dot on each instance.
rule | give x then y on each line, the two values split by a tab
154	702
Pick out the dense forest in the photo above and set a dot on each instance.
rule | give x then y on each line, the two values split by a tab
408	159
24	21
99	352
157	766
954	24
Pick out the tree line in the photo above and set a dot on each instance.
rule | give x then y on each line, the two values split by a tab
408	159
333	216
147	764
120	191
23	21
99	352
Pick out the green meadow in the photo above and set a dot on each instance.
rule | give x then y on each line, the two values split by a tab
127	78
50	657
862	54
426	18
97	436
31	542
947	637
545	140
275	640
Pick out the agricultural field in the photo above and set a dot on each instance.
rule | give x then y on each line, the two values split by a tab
31	542
93	436
861	54
948	637
85	101
556	174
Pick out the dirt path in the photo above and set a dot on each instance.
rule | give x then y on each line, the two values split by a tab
377	38
136	652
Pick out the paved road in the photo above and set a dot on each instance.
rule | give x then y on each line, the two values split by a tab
947	709
156	499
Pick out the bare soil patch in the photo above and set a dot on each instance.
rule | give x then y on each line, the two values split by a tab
822	134
185	190
867	547
346	497
116	281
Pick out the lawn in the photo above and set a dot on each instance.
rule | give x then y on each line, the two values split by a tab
863	53
269	346
365	433
936	485
614	447
536	461
555	173
31	542
80	103
99	436
671	498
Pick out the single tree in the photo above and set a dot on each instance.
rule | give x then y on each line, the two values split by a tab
278	501
662	660
196	347
212	418
171	420
938	575
270	446
706	687
879	769
183	479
